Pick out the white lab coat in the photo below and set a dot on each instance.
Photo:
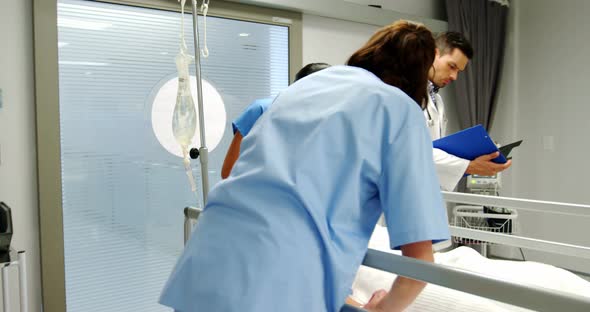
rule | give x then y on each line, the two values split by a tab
449	168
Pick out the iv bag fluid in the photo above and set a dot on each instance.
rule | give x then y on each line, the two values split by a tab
184	118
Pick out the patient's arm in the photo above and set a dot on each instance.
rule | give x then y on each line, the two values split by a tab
404	290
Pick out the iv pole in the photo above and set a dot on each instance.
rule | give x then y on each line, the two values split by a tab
191	212
203	151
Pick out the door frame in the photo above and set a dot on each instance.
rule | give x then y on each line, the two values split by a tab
51	238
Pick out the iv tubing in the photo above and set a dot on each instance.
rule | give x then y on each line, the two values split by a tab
205	9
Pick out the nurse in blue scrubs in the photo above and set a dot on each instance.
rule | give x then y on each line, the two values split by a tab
244	123
289	228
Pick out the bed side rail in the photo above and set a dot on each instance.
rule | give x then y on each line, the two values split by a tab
517	203
520	204
522	242
191	214
531	297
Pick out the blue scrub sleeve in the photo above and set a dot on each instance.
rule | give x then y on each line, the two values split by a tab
247	119
409	190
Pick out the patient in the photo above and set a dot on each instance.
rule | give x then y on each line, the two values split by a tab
438	298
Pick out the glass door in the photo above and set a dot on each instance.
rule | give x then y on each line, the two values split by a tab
123	185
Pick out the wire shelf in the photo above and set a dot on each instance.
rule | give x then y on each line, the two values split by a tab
483	219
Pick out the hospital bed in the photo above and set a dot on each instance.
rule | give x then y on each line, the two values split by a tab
471	282
465	288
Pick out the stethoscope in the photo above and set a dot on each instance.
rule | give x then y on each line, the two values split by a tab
430	121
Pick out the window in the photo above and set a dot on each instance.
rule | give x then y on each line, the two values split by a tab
123	192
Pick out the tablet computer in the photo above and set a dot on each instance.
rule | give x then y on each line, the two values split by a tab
506	149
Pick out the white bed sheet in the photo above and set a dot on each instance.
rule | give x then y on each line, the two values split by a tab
437	298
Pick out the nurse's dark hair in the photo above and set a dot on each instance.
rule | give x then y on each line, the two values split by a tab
400	54
447	41
310	69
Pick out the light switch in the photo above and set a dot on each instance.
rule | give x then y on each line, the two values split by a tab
548	143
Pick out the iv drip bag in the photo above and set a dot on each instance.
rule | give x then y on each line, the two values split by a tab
184	118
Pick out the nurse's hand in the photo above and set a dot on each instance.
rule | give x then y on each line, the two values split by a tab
376	298
484	166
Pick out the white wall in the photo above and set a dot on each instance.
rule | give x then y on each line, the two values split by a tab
504	126
553	99
331	40
18	169
544	100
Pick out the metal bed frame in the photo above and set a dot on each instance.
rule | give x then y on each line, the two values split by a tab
535	298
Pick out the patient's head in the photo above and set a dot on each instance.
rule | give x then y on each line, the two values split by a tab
310	69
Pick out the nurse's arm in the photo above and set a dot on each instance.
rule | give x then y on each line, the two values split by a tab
232	155
404	290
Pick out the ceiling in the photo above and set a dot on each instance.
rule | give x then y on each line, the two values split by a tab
430	12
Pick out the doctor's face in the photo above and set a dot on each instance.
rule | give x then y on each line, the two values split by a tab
446	67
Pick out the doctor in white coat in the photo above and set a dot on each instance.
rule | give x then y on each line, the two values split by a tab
452	55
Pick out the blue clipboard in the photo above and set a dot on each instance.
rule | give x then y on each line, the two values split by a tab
469	144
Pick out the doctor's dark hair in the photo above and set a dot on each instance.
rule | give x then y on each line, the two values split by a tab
449	40
310	69
399	54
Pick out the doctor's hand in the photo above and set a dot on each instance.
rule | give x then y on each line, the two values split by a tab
484	166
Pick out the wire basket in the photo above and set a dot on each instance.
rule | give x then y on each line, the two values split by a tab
483	219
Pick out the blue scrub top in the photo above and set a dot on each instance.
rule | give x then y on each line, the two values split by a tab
289	228
247	119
